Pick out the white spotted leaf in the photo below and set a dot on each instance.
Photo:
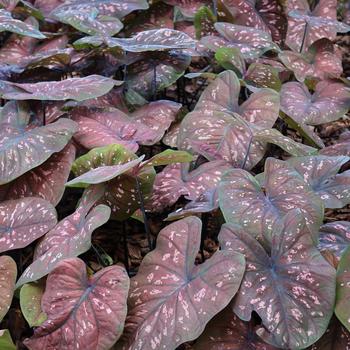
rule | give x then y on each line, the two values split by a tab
169	289
292	289
8	275
82	312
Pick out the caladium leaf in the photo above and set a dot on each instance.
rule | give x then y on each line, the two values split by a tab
30	301
329	102
45	181
8	273
343	289
266	16
121	193
88	21
284	289
6	342
204	21
24	220
156	71
305	26
8	23
8	5
321	173
175	181
39	143
188	8
336	337
78	89
255	207
94	307
250	41
181	289
342	147
69	238
153	40
105	7
103	174
227	332
169	156
319	62
335	237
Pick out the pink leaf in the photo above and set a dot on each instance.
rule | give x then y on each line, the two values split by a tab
8	275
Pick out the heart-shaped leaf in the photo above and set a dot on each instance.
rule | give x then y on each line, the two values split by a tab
320	61
121	193
8	273
175	181
30	301
266	16
342	305
6	342
321	173
255	207
69	238
292	290
46	181
329	102
251	42
39	143
335	237
156	71
227	332
8	23
24	220
92	312
340	148
305	26
78	89
169	288
153	40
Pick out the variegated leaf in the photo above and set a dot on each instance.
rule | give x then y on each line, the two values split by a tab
292	289
90	315
169	289
8	275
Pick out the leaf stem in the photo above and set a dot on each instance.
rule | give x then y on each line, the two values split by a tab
304	37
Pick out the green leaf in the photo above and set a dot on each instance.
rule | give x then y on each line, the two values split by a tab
6	342
169	156
30	301
230	58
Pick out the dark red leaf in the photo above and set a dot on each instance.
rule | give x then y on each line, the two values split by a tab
8	275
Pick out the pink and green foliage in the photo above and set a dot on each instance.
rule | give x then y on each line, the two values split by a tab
284	287
82	311
202	145
169	288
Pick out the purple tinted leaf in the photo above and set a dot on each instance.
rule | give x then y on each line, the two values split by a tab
227	332
336	337
90	315
169	288
342	305
30	301
156	71
262	76
256	207
78	89
321	173
69	238
320	61
153	40
39	143
251	42
46	181
9	24
342	147
175	181
284	288
22	221
335	237
170	137
329	102
321	23
8	5
8	273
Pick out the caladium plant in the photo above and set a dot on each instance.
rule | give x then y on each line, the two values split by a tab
118	117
